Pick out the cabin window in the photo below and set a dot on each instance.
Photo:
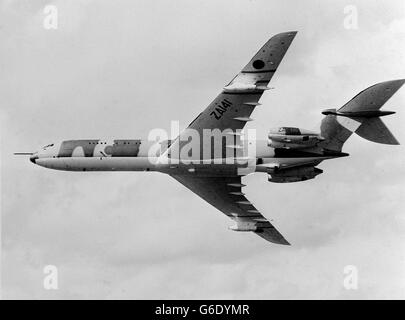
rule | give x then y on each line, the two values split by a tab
292	131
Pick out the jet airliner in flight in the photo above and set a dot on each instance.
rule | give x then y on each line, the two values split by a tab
213	167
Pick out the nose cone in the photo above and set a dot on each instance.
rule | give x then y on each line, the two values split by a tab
33	158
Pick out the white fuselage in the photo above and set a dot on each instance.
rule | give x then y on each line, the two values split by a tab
141	155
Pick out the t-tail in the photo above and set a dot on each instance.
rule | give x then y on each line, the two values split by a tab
362	116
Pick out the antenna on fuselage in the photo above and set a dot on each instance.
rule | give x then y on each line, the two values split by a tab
23	153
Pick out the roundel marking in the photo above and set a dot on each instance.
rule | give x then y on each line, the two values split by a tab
258	64
108	150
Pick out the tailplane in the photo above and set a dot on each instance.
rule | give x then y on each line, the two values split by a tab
362	116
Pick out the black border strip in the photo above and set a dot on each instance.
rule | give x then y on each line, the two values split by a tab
260	71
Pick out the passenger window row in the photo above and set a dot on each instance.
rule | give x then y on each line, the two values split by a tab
115	143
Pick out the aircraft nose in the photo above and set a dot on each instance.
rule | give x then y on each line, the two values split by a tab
33	158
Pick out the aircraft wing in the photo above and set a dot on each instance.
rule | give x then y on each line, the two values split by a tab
232	108
225	194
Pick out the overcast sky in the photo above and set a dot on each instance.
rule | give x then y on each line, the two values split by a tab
121	68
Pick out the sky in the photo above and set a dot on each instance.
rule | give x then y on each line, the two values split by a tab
119	69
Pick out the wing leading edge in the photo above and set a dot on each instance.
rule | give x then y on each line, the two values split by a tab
225	194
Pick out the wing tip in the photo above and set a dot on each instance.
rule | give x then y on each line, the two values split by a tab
400	82
273	238
287	33
282	241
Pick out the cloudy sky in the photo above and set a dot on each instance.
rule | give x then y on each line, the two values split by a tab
119	69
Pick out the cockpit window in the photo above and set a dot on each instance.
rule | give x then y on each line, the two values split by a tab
48	145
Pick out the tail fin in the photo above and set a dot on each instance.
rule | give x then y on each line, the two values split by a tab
362	116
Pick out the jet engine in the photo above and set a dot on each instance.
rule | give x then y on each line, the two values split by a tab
292	138
293	174
244	226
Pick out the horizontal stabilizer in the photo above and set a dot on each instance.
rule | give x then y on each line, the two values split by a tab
375	130
358	114
374	97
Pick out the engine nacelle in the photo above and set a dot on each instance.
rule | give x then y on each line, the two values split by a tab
293	174
292	138
244	226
